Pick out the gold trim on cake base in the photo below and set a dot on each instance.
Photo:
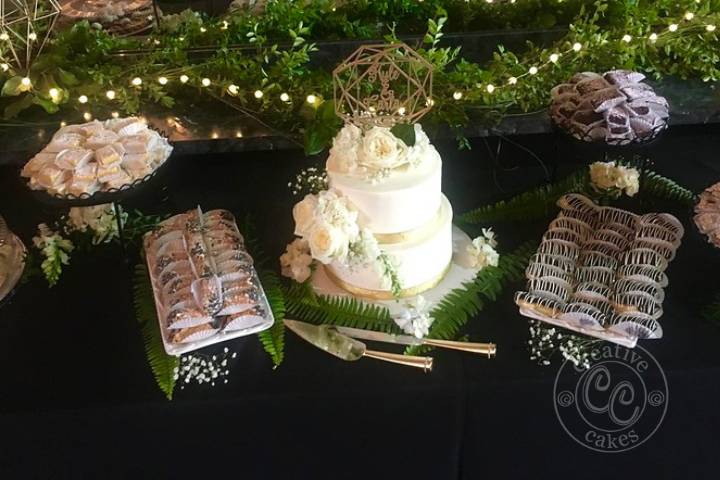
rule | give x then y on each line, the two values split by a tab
386	294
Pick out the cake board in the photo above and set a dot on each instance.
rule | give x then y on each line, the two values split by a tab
459	272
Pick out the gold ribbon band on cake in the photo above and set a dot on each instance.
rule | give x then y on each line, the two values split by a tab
384	294
419	233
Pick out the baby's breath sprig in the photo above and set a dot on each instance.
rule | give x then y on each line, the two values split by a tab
310	180
545	341
203	369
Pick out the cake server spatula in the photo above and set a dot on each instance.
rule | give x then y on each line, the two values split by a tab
326	338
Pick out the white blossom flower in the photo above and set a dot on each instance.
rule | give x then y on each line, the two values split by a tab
381	149
482	250
100	219
608	176
296	260
343	157
415	318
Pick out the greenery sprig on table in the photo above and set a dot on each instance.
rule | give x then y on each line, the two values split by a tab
262	64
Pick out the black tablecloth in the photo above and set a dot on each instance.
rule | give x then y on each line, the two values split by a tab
78	400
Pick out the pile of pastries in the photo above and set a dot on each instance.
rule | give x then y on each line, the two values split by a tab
83	159
707	214
120	17
203	278
615	107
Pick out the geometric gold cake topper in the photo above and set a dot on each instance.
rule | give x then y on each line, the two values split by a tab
381	85
25	27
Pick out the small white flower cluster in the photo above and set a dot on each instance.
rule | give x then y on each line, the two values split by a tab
364	249
328	223
49	242
309	180
482	250
203	368
415	318
609	177
375	152
100	219
545	341
296	260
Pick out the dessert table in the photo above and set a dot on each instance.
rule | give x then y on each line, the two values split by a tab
78	399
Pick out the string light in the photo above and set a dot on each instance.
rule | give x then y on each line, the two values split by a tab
554	57
311	99
533	70
110	94
115	114
83	99
653	37
233	89
490	88
258	94
54	94
429	102
162	80
184	78
577	46
284	97
225	25
512	80
5	67
87	116
203	29
673	27
457	95
137	81
238	134
32	36
4	37
63	124
626	38
205	82
215	135
689	16
401	110
26	82
710	28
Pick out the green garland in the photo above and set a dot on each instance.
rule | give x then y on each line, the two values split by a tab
275	55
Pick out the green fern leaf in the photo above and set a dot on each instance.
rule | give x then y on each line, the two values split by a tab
162	365
666	189
534	204
463	303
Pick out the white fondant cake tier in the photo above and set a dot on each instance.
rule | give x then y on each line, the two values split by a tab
403	201
420	260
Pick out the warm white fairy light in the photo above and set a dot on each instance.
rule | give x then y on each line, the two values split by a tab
54	94
311	99
401	110
156	42
429	102
258	94
626	38
710	28
115	114
689	16
673	27
238	134
32	36
490	88
554	57
4	67
87	116
205	82
533	70
457	95
26	82
184	78
203	29
512	80
653	37
63	124
215	135
83	99
110	94
225	25
4	37
137	81
577	46
163	80
284	97
233	89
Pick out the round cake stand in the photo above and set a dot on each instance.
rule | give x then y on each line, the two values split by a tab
459	273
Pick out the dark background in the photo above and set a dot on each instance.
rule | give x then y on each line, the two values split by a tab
78	400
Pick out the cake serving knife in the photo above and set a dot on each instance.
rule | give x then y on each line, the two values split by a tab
489	349
335	343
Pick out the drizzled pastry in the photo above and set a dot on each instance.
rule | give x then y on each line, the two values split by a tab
615	107
94	156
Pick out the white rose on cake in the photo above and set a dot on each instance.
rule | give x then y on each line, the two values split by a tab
380	149
343	156
304	214
328	243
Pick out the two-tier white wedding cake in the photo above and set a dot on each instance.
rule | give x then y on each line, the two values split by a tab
383	228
